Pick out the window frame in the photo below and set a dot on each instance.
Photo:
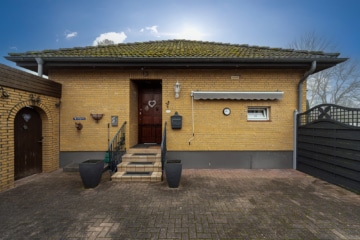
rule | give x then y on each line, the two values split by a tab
264	111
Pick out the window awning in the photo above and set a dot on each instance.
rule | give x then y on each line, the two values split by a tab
237	95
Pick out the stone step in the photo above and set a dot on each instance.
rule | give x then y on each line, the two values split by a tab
139	167
144	150
140	164
141	157
136	176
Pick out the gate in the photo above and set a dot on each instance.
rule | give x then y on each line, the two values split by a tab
328	144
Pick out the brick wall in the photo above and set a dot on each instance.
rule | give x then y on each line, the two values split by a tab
114	92
49	113
215	131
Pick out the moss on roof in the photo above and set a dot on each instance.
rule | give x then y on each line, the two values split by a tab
177	49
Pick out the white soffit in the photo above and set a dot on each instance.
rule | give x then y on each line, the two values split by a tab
200	95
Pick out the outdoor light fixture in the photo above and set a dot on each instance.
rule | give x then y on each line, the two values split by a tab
177	88
78	126
97	116
4	93
58	104
34	99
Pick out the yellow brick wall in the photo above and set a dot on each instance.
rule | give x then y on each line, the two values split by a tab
114	92
49	113
213	130
91	91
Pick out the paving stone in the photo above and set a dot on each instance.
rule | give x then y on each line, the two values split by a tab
209	204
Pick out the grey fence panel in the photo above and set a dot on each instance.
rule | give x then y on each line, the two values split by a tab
328	144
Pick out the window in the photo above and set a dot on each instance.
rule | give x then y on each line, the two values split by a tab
258	113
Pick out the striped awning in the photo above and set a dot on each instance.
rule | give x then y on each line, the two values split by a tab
202	95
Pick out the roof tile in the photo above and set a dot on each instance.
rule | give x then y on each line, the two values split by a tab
178	49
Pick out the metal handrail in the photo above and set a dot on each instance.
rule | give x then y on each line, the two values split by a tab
163	152
117	149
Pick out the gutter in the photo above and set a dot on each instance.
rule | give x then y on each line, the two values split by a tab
300	87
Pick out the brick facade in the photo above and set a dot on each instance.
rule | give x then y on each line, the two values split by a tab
114	92
9	107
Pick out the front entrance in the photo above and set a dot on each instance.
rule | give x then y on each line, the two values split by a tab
28	143
150	112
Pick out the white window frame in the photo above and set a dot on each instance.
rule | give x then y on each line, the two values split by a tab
258	113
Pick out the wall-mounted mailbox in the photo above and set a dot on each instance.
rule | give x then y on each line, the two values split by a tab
176	121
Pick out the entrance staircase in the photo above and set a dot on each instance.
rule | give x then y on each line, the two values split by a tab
140	165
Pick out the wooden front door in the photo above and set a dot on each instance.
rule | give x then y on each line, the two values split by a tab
28	143
150	114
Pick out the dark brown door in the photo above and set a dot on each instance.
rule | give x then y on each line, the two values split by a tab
150	114
28	143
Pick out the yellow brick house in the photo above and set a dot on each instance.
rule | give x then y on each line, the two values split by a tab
235	103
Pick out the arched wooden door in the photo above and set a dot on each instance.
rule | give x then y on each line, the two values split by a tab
28	143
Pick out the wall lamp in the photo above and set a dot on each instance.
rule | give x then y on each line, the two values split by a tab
4	93
78	126
58	104
177	88
34	99
96	116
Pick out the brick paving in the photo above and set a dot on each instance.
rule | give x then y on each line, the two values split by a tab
209	204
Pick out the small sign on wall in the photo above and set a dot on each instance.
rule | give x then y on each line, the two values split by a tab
114	121
79	118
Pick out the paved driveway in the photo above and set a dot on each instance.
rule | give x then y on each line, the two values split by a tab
209	204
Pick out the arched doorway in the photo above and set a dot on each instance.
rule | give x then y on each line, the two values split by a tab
28	143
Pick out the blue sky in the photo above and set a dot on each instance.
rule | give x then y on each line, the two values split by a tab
52	24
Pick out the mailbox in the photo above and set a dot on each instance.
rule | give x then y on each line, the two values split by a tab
176	121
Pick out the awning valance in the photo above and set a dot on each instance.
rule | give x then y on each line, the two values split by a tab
197	95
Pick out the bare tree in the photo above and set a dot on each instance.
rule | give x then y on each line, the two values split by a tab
105	42
311	41
339	84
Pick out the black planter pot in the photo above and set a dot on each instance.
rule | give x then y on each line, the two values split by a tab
173	170
90	172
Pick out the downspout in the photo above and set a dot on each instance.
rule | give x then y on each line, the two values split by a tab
192	117
300	87
295	139
40	63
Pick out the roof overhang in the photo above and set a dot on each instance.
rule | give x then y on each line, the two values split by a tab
171	62
203	95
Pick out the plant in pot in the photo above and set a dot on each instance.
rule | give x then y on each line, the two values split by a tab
91	171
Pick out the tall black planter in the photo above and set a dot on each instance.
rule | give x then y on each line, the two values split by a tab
173	169
90	172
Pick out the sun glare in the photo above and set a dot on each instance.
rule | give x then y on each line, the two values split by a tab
191	33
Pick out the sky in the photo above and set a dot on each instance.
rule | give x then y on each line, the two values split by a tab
52	24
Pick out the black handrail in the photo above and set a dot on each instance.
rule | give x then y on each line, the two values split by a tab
117	149
163	152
